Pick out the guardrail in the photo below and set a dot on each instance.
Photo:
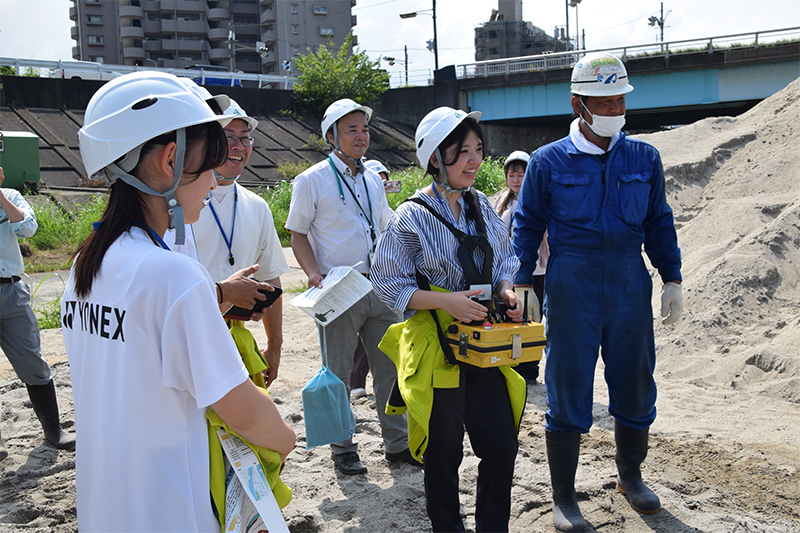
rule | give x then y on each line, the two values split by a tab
559	60
282	82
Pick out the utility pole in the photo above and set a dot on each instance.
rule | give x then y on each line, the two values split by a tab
232	43
435	40
653	20
405	49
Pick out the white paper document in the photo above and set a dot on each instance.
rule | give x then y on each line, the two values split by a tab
250	506
341	288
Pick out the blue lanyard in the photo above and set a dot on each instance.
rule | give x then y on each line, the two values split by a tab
153	234
339	180
446	207
228	243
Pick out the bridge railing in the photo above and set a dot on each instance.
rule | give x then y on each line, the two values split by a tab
561	60
46	66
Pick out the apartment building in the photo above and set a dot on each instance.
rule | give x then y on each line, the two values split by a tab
507	35
228	33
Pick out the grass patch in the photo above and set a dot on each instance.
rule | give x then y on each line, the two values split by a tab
315	142
60	232
48	313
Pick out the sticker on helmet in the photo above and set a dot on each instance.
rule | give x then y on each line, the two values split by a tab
605	61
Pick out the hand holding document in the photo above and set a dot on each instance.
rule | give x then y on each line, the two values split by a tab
341	288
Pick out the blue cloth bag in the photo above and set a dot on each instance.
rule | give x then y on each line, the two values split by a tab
326	407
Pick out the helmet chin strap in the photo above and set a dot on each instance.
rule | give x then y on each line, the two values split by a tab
445	183
220	177
176	218
357	162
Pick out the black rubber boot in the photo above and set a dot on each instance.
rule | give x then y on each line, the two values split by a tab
3	451
43	398
631	452
562	456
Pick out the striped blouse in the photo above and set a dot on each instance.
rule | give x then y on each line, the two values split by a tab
414	239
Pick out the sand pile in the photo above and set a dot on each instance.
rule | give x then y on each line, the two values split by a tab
734	184
724	448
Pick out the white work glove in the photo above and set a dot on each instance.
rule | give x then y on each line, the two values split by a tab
671	303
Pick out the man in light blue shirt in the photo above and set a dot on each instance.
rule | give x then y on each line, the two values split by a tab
19	330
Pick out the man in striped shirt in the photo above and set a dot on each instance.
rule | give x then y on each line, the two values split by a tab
337	212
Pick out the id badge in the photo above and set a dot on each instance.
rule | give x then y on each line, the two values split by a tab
370	259
485	294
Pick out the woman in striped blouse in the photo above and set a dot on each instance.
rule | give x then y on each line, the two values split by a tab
442	399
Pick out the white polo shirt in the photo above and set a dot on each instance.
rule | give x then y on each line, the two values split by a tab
323	208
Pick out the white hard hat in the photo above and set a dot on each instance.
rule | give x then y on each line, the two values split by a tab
519	155
222	100
435	127
337	110
235	111
130	110
376	165
600	74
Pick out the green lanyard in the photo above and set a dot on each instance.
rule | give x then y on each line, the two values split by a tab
339	180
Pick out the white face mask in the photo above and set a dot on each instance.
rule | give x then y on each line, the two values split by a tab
604	126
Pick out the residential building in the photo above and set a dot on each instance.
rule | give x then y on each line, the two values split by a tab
507	35
228	33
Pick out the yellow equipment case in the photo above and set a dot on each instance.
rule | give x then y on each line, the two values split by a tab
497	344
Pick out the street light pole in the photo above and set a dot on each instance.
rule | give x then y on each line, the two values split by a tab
436	40
435	43
405	50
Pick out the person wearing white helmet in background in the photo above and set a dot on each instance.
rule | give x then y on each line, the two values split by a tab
336	216
600	197
147	350
358	376
239	288
236	231
514	169
418	269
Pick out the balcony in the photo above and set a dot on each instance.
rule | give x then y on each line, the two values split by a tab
74	33
184	46
130	12
153	45
268	15
133	52
218	54
217	34
353	19
76	52
131	32
73	13
268	36
183	6
192	27
218	13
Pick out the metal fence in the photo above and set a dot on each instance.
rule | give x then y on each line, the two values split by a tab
560	60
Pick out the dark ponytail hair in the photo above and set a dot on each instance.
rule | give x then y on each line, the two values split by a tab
126	206
456	138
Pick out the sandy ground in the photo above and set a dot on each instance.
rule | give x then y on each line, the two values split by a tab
724	449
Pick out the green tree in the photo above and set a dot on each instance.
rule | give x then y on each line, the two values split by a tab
328	75
7	70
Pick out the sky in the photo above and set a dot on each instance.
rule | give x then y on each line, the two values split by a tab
40	29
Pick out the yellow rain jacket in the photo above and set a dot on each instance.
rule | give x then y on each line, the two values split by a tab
414	347
270	460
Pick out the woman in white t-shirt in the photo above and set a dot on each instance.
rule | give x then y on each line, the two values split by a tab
148	350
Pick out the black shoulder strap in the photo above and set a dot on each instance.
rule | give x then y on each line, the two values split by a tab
424	284
468	243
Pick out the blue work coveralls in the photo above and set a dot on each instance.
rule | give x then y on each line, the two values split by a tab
599	211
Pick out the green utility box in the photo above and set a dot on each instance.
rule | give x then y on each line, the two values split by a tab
19	157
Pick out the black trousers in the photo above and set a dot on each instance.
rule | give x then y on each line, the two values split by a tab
480	404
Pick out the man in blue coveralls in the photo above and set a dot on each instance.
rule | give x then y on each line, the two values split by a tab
601	197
